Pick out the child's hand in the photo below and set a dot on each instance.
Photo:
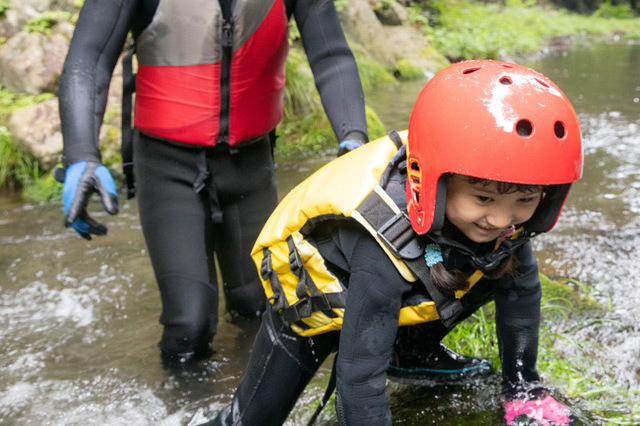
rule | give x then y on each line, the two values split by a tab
546	411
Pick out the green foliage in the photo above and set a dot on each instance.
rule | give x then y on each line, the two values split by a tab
383	4
340	4
4	6
374	125
17	169
463	29
44	188
10	102
305	129
45	22
474	31
300	96
616	11
418	16
407	71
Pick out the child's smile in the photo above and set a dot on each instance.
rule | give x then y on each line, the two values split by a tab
482	213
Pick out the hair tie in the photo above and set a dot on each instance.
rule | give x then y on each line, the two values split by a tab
432	254
507	233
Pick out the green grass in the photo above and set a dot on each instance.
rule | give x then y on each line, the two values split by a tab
305	129
45	22
10	101
462	29
17	169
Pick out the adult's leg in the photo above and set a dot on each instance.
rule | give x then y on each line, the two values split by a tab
176	226
245	186
280	367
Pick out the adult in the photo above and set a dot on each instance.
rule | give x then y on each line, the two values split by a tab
208	98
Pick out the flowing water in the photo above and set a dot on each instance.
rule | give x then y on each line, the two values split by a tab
78	320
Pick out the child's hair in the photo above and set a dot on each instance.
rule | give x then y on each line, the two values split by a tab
507	187
450	282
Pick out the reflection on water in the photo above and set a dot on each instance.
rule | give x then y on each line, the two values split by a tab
78	320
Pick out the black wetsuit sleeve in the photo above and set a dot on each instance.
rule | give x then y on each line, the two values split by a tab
334	67
518	320
96	44
370	323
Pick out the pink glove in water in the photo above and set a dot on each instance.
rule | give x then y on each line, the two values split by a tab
542	410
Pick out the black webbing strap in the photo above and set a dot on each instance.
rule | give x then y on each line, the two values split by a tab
395	230
306	306
395	138
331	386
128	87
306	289
267	273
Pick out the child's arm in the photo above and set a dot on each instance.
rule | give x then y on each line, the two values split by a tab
517	321
369	329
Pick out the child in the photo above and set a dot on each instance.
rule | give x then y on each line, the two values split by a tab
388	236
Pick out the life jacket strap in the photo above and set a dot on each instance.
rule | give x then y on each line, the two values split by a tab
395	230
305	307
267	273
306	288
126	148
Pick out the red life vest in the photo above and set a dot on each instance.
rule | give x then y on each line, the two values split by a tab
178	85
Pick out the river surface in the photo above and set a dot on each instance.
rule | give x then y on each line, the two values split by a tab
79	320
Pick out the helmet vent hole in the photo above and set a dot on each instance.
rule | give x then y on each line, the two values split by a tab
470	70
542	83
415	166
559	130
505	81
524	128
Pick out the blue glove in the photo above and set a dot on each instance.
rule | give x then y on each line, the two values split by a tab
348	145
81	180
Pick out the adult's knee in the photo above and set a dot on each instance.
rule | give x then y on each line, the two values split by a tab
189	316
246	300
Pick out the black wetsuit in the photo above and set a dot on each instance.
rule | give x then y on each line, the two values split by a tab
282	362
197	201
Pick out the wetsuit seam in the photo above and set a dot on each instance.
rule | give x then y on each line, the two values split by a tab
101	57
334	62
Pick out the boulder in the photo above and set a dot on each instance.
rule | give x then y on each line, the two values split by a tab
389	43
391	13
36	130
31	63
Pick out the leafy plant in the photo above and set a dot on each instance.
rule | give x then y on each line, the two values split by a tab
45	22
4	6
608	10
10	101
17	169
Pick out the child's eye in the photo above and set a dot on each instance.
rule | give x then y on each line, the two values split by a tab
527	199
483	199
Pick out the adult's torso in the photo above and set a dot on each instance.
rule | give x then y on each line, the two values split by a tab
193	86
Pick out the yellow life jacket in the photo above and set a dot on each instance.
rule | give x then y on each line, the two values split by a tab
294	275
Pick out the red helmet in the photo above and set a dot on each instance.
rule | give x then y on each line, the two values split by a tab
491	120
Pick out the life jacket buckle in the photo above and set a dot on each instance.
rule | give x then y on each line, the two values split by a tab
265	266
398	235
301	309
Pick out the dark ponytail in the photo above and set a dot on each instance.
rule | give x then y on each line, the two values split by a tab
450	282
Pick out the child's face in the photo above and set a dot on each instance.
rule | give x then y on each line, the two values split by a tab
481	213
